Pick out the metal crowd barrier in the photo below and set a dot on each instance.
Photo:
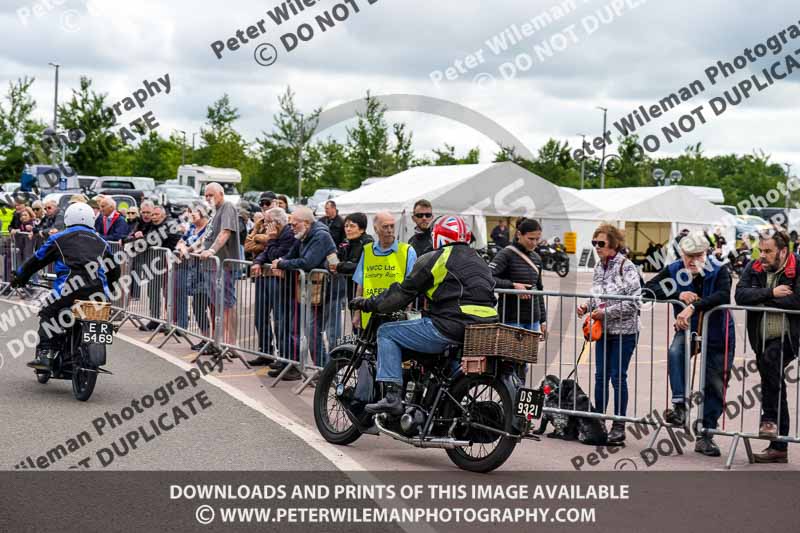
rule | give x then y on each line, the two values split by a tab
744	411
147	298
195	304
271	315
6	261
564	353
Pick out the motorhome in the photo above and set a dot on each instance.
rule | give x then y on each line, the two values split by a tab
197	177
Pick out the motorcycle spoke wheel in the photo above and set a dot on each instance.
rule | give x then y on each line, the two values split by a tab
332	421
488	402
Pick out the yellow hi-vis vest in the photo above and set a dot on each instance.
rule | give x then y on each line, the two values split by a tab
380	271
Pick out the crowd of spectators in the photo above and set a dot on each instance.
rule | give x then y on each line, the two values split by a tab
285	247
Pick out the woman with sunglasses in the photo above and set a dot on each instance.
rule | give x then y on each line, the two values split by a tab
614	275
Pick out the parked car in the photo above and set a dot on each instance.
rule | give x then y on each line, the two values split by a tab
116	186
776	215
321	196
176	198
750	225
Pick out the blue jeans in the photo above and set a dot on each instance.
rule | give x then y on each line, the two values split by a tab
530	326
716	376
676	365
419	335
613	354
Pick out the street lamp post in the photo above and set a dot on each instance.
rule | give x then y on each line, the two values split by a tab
183	147
583	159
603	157
661	178
301	145
55	99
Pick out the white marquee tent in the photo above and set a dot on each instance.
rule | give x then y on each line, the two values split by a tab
506	189
473	191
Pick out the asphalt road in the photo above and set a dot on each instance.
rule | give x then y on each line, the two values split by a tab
210	431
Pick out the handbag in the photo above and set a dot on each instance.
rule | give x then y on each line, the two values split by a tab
592	329
317	280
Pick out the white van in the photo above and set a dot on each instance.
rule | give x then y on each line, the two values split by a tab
198	176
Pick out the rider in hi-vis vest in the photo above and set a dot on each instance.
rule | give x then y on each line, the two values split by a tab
380	271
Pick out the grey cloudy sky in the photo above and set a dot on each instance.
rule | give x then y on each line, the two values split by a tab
647	51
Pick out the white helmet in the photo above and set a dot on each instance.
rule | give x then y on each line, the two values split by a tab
79	214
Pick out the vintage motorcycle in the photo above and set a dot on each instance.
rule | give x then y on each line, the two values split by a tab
554	259
477	418
82	349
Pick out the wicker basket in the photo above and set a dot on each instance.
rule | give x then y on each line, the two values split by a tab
91	310
500	340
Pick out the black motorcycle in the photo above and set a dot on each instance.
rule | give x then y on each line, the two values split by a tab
477	418
553	259
82	349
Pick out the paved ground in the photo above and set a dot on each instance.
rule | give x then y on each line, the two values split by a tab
231	435
226	435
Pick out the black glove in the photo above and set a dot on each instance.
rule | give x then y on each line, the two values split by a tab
17	282
360	304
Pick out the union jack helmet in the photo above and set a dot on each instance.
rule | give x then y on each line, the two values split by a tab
449	229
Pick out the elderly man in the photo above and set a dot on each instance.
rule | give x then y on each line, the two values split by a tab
53	220
772	281
271	291
701	283
313	245
222	241
110	224
382	263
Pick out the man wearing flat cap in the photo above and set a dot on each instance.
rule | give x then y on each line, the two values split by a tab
701	283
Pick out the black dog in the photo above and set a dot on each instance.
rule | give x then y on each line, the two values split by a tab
567	394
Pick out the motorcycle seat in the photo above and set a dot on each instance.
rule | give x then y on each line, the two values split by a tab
450	351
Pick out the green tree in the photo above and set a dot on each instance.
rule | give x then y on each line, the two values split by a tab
370	151
86	111
447	156
279	152
224	146
19	133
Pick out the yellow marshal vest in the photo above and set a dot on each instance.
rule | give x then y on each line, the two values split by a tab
380	271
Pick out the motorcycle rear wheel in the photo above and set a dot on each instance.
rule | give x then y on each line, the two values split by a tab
329	414
478	457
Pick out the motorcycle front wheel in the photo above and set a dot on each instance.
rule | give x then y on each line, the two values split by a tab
43	376
83	381
332	421
488	402
563	269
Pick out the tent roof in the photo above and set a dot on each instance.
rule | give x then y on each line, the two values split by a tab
655	204
501	189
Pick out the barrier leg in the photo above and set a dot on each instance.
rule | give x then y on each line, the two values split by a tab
732	453
749	449
308	381
153	336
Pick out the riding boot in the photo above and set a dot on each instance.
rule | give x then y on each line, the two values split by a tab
42	359
391	404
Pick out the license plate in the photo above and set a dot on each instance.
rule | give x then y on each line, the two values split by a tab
529	403
97	333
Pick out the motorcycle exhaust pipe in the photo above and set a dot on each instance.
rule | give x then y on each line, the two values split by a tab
447	444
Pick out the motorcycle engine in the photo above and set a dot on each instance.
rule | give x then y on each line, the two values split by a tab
412	420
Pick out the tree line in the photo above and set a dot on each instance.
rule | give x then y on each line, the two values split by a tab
373	147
